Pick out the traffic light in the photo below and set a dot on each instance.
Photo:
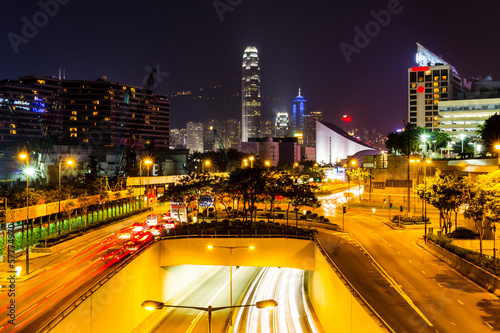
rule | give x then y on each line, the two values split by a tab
384	201
344	210
390	205
400	208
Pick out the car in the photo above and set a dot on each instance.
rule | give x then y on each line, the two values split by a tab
139	240
151	220
137	227
169	224
125	233
114	254
155	230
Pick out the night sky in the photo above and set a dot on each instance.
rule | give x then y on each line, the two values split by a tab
298	43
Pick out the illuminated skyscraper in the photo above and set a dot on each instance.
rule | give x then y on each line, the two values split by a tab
251	102
298	112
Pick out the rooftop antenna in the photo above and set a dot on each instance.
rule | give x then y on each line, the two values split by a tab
299	90
64	74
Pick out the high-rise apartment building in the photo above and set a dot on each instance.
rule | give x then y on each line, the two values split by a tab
194	137
92	113
310	127
434	80
282	125
298	113
228	132
251	99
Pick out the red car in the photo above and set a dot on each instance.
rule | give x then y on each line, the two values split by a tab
113	255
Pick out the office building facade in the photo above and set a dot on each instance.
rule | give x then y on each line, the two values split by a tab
434	80
251	98
194	137
310	127
282	125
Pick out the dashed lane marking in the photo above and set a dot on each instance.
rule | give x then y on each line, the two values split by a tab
460	302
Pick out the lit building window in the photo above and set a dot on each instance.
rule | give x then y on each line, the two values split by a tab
72	118
41	81
436	78
74	113
95	113
12	131
95	102
72	101
85	140
444	77
435	84
73	135
436	89
73	129
13	125
107	119
35	92
444	89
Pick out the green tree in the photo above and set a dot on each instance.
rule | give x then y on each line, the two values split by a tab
444	192
398	142
483	202
359	176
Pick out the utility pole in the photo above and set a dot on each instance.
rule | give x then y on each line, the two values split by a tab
408	163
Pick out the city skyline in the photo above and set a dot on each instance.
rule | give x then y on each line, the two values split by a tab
341	67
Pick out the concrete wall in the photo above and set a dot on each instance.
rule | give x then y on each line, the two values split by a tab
274	252
336	307
480	276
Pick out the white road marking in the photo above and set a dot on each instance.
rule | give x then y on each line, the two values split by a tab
460	302
489	325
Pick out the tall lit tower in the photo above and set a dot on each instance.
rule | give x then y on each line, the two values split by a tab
251	102
298	112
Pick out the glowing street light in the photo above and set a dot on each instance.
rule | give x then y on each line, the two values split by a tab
251	158
462	137
28	171
231	248
268	164
155	305
206	166
68	162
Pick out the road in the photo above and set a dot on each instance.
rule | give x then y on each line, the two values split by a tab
213	291
286	286
443	297
56	280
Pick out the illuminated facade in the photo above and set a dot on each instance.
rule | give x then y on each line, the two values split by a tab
464	116
434	80
298	115
282	125
251	99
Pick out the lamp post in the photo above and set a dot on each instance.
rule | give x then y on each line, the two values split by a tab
206	165
231	248
156	305
426	161
69	162
148	162
267	165
251	158
462	137
25	156
294	166
497	147
245	162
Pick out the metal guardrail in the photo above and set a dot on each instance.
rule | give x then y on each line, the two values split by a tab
354	291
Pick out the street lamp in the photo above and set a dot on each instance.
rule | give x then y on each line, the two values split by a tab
424	140
155	305
245	162
267	164
28	171
231	248
462	137
427	161
294	166
251	158
497	147
206	165
69	162
148	162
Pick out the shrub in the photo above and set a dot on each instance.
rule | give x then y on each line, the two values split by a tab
302	217
314	215
462	233
326	220
280	216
